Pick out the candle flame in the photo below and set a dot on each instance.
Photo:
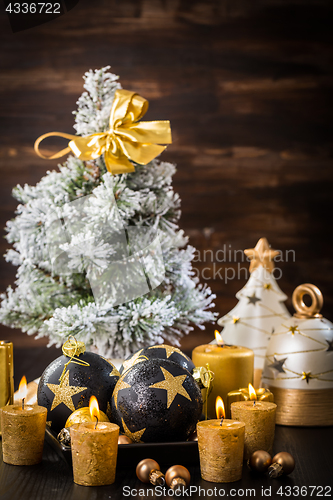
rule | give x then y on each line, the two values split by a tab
252	393
219	406
94	409
22	392
218	338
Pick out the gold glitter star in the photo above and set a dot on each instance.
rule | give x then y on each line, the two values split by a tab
173	386
130	362
120	385
267	286
293	329
306	376
63	393
114	372
168	350
135	436
261	255
235	320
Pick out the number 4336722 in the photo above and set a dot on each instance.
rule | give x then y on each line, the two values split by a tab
33	8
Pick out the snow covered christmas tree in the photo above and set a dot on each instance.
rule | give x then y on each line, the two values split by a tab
77	221
260	309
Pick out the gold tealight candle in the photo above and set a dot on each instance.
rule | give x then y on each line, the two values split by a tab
231	365
94	450
23	431
221	447
259	420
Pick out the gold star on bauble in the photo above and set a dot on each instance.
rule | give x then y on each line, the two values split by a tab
63	393
135	436
169	350
306	376
267	286
114	372
293	329
173	386
261	255
235	320
121	384
130	362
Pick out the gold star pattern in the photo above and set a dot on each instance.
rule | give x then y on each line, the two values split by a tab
306	376
63	393
267	286
173	386
120	385
130	362
114	372
293	329
235	320
261	255
168	350
135	436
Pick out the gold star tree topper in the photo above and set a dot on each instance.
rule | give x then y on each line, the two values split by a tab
261	255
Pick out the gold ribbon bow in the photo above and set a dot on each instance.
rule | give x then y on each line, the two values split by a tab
127	138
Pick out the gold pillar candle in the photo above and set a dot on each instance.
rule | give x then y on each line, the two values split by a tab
243	395
231	365
221	447
23	433
6	374
94	453
259	420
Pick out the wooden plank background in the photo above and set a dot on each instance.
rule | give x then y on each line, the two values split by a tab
248	89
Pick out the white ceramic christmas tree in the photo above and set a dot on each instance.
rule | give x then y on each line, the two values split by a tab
260	309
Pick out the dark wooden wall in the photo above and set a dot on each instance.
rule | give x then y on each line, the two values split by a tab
247	86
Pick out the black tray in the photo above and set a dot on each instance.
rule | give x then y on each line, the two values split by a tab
184	452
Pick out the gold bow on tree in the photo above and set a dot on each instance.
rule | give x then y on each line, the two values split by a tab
127	138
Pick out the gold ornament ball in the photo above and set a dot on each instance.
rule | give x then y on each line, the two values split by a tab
144	468
175	472
259	461
124	439
82	415
286	461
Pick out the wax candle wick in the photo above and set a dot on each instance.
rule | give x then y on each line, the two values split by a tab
96	422
221	421
254	402
23	403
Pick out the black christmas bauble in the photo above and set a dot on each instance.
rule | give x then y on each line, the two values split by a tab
157	400
158	352
94	376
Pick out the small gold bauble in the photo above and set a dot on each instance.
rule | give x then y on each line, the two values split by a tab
82	415
286	461
259	461
144	468
124	439
177	472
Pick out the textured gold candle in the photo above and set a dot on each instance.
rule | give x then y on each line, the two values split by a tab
6	374
259	420
221	450
243	395
94	453
232	367
23	433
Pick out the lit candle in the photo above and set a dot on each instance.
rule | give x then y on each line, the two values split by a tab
259	420
23	431
231	365
243	395
82	415
221	447
94	450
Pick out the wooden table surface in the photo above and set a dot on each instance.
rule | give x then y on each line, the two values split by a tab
53	480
